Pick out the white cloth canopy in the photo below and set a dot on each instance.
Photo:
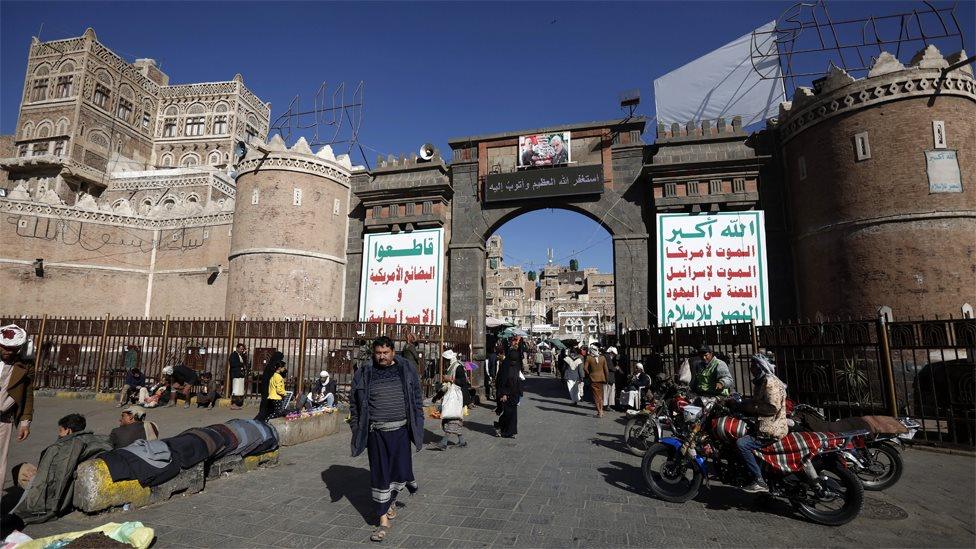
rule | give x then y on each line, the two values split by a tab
724	83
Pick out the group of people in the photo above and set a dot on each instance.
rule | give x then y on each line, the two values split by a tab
177	381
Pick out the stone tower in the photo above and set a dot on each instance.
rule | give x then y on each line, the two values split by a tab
881	185
288	250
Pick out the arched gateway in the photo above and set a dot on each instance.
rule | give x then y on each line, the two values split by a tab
490	181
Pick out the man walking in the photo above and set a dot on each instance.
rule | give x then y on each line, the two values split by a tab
16	391
386	416
596	370
238	371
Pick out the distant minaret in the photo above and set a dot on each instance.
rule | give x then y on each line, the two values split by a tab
549	253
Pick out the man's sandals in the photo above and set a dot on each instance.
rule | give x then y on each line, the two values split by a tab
380	533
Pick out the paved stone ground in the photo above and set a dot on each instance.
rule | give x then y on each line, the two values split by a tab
565	482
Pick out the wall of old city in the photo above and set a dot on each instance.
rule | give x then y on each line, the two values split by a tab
869	228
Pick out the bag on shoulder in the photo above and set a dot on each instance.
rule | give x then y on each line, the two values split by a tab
452	405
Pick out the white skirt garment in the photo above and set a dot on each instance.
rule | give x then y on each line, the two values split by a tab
237	386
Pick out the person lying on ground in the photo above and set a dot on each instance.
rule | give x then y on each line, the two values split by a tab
132	427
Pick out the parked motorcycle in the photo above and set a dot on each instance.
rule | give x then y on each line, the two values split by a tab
875	457
646	426
803	468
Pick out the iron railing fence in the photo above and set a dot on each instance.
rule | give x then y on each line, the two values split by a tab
93	354
918	368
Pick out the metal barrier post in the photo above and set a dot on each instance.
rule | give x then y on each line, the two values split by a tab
39	350
163	345
755	335
887	371
440	353
230	350
301	353
101	355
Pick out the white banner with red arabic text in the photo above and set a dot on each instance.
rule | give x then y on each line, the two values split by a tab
712	268
402	278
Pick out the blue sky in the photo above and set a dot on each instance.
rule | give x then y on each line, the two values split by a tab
433	71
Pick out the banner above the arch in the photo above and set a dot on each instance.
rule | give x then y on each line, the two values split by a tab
544	183
711	268
403	277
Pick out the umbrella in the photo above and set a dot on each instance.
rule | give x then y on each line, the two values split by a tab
557	344
570	342
492	322
509	332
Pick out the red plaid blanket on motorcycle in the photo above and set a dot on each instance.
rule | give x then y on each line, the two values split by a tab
788	453
729	428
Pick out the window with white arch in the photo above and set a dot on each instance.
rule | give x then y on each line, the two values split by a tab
190	159
63	126
166	161
145	206
28	131
214	158
43	129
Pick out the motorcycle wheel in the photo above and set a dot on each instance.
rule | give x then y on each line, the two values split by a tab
670	475
840	481
639	434
884	461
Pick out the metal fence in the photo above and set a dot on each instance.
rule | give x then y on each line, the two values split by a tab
93	354
919	368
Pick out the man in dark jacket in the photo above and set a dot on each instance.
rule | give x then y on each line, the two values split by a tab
386	415
238	371
133	381
50	492
132	427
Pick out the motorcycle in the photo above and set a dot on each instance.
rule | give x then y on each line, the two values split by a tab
803	468
646	426
875	457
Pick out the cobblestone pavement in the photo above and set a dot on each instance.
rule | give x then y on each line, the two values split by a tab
565	482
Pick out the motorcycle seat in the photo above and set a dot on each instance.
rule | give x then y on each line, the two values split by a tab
870	424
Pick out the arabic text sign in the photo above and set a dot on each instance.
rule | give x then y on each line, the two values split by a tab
544	183
943	171
402	277
544	149
712	268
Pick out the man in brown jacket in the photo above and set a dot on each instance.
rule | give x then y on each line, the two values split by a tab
16	390
596	370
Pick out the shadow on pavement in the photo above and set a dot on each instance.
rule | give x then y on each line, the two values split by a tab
626	477
719	497
480	427
351	483
614	442
565	411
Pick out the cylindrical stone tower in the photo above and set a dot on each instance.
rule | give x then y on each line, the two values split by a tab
882	189
288	249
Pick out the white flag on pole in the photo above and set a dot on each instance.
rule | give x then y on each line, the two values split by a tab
724	83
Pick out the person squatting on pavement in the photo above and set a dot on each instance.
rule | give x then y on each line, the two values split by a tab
596	370
457	386
182	380
386	415
134	380
322	394
16	390
769	405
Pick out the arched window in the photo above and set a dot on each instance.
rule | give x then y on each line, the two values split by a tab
42	70
189	159
214	158
171	111
63	126
220	119
38	90
169	203
28	131
192	199
196	108
67	66
44	129
145	206
166	161
101	95
195	120
220	107
98	137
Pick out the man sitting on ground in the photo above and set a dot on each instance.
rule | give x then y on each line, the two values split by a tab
134	380
132	427
322	394
207	398
50	492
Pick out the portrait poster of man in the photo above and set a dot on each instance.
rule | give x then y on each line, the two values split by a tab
544	149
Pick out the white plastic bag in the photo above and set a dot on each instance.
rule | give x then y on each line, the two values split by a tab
684	372
452	405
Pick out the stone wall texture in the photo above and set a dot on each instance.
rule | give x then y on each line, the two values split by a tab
868	233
